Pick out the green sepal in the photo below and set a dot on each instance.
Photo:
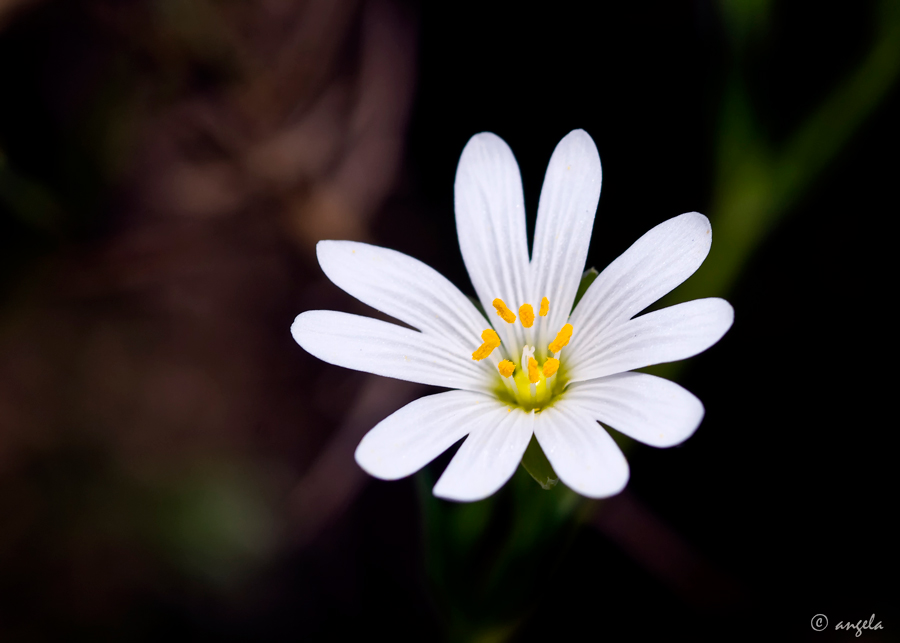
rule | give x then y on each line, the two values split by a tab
536	463
586	280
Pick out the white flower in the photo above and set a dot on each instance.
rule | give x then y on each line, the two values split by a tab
499	414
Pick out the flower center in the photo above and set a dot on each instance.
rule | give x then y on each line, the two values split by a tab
529	384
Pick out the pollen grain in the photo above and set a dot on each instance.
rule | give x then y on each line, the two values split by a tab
491	341
545	307
562	338
526	315
506	368
505	313
551	366
534	373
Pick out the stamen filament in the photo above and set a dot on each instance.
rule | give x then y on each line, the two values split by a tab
528	381
527	353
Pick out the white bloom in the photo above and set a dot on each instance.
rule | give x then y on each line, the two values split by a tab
499	414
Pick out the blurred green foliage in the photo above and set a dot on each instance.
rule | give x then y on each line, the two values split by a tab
488	561
213	522
758	181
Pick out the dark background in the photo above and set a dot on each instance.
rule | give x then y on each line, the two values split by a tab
172	464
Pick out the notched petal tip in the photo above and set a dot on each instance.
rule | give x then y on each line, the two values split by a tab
646	408
488	458
582	452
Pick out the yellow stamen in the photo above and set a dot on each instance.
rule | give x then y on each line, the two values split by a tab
526	315
534	373
551	366
506	368
504	312
491	341
545	307
562	338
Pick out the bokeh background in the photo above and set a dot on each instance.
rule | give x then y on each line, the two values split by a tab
173	465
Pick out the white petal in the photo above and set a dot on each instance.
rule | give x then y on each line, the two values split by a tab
665	335
404	288
652	267
488	457
407	440
564	223
374	346
647	408
582	453
490	222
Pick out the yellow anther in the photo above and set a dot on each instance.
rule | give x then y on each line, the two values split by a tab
491	341
562	338
551	366
534	373
506	368
545	307
504	312
526	315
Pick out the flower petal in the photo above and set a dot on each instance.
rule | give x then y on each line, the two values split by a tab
665	335
644	407
490	223
410	438
404	288
564	222
584	455
374	346
652	267
488	457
